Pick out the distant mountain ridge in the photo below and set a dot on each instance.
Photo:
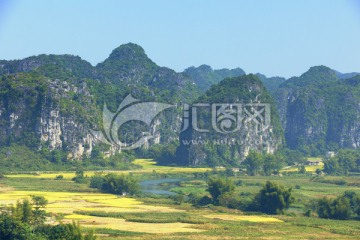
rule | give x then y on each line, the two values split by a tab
50	101
320	111
204	76
71	87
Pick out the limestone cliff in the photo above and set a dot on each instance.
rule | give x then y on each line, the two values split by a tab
320	111
39	112
233	117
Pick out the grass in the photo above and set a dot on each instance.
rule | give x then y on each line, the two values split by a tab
51	185
148	166
113	217
308	168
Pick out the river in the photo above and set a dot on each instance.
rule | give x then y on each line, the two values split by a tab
155	185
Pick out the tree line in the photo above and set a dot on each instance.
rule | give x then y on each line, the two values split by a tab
26	221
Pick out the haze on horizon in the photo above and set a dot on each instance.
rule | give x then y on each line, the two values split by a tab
276	38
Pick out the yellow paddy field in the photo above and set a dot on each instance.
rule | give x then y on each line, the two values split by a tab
308	167
243	218
148	166
122	224
68	203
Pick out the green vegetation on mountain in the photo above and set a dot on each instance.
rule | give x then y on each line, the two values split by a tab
204	76
319	111
48	104
216	148
271	83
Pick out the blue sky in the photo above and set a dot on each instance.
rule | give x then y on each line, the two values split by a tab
277	38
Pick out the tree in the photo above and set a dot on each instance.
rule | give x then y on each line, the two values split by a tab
338	208
343	163
39	214
253	162
79	176
120	184
291	157
318	171
26	223
68	231
230	200
341	208
164	154
273	199
97	180
218	186
23	211
347	160
324	208
354	200
331	166
271	164
302	169
12	228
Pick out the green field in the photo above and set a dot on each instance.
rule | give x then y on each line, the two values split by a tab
146	217
147	166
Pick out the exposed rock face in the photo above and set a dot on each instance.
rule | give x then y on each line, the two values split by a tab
52	101
230	139
50	129
319	110
34	114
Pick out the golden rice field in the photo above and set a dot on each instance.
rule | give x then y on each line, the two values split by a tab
249	218
308	168
114	217
148	166
122	224
67	203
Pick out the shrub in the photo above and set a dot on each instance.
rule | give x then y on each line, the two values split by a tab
307	213
338	208
79	176
178	199
97	180
64	231
59	177
218	186
120	184
229	200
273	199
302	169
11	228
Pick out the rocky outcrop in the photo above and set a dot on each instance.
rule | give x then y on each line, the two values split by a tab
320	111
232	118
36	111
52	101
